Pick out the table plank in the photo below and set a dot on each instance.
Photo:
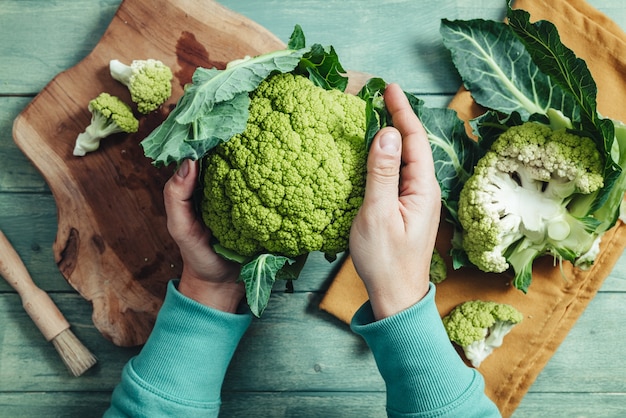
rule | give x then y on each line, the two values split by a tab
322	404
17	173
29	222
275	354
42	38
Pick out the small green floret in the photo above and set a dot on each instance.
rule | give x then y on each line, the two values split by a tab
109	115
438	269
479	327
149	82
521	200
293	181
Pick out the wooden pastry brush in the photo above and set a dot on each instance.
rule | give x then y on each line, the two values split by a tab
43	311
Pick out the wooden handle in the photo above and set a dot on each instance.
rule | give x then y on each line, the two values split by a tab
36	302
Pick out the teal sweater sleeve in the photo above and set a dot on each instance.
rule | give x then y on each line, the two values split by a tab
424	375
180	370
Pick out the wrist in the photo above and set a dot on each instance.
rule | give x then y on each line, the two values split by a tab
224	296
386	302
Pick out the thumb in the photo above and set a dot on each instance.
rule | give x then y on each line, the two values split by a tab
178	193
383	167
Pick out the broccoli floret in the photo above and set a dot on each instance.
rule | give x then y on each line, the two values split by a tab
109	115
521	200
293	181
149	82
438	269
479	327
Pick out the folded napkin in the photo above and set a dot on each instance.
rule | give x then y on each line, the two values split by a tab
555	298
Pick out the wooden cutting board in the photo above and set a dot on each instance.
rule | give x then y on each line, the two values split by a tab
112	243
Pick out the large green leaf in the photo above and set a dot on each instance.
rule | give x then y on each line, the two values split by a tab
454	153
498	71
212	86
259	276
321	65
543	44
166	144
214	107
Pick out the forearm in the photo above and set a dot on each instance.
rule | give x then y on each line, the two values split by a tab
181	368
422	370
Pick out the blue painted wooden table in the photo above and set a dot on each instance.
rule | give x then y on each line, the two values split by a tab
296	361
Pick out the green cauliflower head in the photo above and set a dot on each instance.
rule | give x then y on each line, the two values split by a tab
293	181
520	202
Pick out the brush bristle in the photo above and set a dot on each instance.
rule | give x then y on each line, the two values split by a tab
74	354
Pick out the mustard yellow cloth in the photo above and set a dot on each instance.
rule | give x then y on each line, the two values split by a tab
555	298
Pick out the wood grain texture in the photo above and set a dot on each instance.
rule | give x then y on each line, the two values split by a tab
298	367
305	405
112	244
29	222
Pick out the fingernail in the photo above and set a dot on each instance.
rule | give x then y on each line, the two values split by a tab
183	170
390	142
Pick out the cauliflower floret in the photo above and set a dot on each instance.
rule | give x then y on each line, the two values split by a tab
479	327
438	271
517	204
109	115
148	81
293	181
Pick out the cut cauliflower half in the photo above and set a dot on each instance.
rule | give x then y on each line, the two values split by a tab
520	201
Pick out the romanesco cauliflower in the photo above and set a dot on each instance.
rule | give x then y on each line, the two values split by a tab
521	200
148	81
109	115
293	181
480	326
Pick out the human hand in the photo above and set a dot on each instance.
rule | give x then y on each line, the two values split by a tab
206	277
393	235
